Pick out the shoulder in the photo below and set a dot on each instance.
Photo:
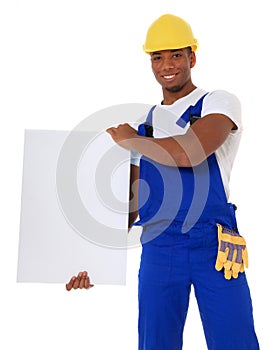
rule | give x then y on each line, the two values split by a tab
223	102
222	98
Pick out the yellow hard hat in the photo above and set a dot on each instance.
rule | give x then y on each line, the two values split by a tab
169	32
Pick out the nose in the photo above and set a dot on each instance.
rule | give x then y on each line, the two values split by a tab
168	64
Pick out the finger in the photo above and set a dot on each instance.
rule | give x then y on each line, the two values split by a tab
77	282
236	269
110	131
227	274
235	274
219	264
70	284
87	283
245	257
228	265
222	256
80	274
82	282
242	268
83	276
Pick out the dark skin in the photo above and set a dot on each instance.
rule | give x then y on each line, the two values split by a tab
81	281
172	70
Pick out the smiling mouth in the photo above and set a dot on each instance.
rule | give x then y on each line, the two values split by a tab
169	77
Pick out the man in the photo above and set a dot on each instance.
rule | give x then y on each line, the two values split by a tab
190	235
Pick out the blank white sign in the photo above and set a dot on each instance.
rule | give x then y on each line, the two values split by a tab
74	208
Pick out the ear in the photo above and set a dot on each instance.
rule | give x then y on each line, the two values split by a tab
192	59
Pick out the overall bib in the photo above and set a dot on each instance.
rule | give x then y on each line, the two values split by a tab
179	209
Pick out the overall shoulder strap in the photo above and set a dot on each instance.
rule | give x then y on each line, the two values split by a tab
149	116
146	129
192	114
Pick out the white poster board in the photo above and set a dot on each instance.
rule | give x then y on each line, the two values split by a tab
74	212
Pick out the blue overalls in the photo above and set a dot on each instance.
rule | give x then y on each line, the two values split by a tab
179	209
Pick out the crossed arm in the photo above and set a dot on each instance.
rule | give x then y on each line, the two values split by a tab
201	140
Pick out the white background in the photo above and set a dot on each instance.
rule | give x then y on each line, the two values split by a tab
62	60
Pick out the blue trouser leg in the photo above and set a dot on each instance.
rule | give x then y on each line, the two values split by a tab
170	264
163	301
164	331
225	306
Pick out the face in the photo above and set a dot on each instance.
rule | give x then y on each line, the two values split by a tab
172	69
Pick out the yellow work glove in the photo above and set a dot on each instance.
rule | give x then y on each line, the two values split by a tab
232	252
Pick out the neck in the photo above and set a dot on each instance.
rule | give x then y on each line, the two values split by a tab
169	97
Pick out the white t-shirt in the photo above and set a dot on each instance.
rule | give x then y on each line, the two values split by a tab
218	101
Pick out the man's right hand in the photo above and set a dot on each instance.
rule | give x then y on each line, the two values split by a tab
81	281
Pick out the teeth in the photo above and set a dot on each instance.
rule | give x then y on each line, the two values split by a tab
168	76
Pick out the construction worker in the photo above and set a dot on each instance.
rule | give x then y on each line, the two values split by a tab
183	155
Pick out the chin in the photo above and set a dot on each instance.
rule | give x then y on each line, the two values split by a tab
175	88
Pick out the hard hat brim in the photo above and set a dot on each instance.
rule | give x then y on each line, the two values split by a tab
193	46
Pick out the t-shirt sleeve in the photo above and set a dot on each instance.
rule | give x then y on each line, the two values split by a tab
135	157
223	102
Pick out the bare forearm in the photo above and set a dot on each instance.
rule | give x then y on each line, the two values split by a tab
171	151
187	150
167	151
133	195
132	218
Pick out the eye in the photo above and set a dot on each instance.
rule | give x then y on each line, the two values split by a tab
177	55
155	58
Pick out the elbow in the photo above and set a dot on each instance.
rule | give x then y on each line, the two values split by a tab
188	159
184	161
